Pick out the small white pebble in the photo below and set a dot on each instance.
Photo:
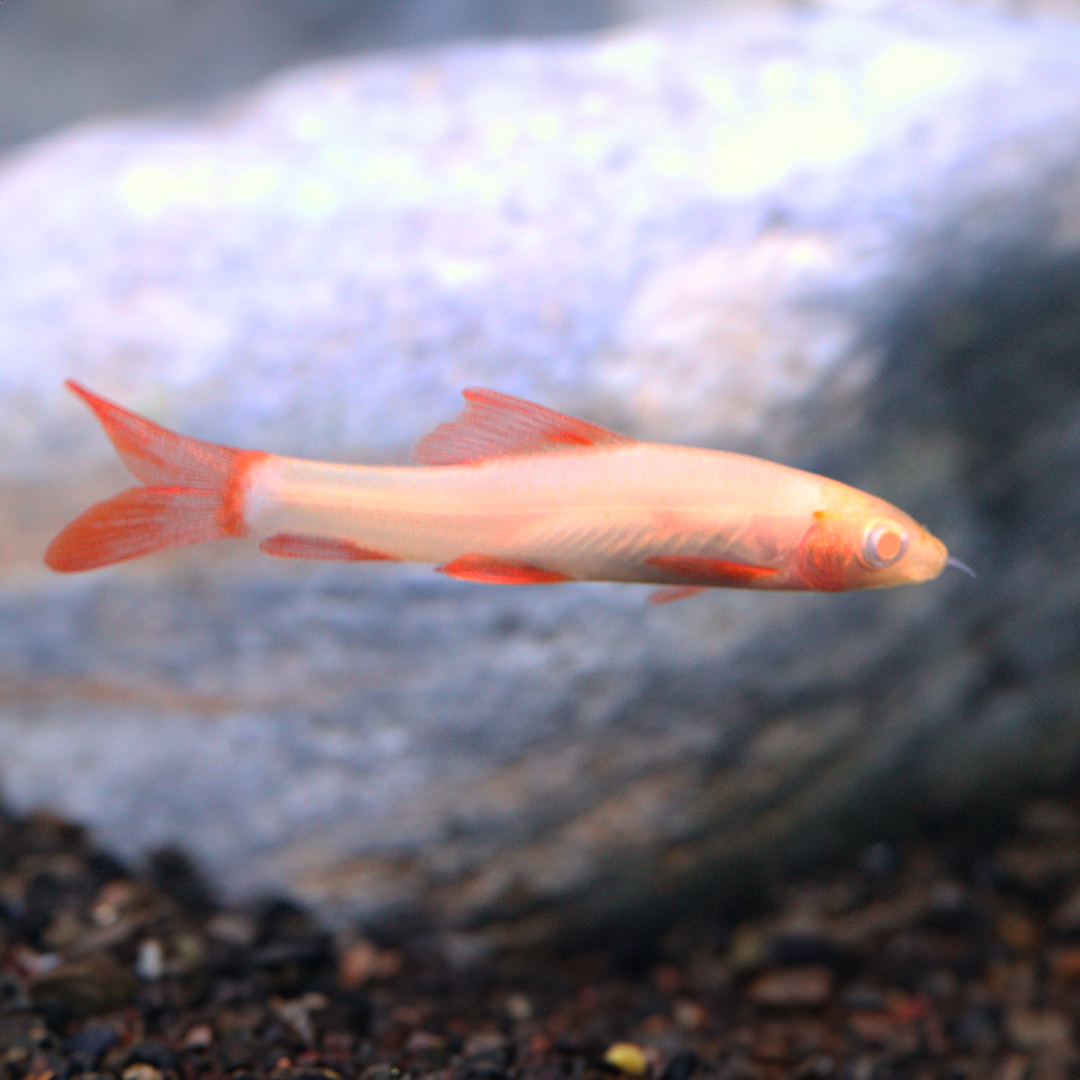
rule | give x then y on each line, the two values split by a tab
150	963
141	1071
236	930
519	1007
296	1012
688	1014
200	1036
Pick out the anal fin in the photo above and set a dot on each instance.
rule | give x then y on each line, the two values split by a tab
304	546
667	594
474	566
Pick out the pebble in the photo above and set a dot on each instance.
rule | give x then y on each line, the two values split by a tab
628	1058
1040	868
1018	931
681	1067
1051	818
87	1047
931	969
142	1071
199	1037
235	930
791	987
1066	916
150	963
151	1052
872	1028
491	1043
361	961
519	1007
1031	1029
420	1041
126	901
297	1013
1065	963
749	947
688	1014
356	965
95	983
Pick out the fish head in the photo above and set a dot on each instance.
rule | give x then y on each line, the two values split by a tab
871	545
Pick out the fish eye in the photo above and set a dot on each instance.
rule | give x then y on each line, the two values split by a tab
883	545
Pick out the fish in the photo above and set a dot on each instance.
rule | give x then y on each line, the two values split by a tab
509	493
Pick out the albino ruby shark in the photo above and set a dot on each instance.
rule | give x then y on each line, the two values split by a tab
510	493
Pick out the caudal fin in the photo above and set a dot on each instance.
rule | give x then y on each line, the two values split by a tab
194	492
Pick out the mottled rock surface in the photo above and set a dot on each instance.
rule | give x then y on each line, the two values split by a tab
65	60
847	241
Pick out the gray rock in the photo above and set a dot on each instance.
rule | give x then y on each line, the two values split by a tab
844	240
64	60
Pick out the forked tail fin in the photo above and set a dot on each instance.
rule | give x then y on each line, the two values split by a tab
194	492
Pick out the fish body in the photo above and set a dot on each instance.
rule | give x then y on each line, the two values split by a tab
511	493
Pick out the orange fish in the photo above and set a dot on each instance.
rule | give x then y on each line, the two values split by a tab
511	494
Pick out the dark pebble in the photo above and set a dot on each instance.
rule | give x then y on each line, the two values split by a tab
307	952
93	984
171	872
966	976
681	1066
151	1052
879	861
87	1047
236	1054
798	950
819	1067
489	1065
354	1009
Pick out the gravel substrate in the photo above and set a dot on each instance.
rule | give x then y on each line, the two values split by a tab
958	959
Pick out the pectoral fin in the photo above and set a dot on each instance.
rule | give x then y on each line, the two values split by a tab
703	572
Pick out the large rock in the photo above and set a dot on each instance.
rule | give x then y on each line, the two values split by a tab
62	60
848	241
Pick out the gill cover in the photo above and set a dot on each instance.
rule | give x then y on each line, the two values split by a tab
825	552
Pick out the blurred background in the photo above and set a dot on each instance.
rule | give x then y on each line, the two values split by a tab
67	60
842	234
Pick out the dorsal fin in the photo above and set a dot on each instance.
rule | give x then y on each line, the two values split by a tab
494	425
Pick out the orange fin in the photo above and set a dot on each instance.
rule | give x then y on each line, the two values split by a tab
709	573
487	568
666	594
495	425
157	456
137	522
194	493
302	546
